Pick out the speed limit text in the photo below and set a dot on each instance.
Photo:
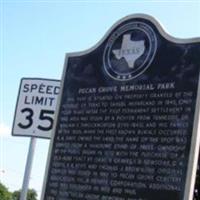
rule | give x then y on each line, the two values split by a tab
47	92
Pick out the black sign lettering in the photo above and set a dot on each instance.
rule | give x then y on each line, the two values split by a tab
34	114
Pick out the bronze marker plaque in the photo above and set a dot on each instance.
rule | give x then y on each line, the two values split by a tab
127	119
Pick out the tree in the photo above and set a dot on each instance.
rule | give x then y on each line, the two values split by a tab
16	195
31	195
4	193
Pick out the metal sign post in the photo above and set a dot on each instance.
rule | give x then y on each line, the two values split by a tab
28	168
34	116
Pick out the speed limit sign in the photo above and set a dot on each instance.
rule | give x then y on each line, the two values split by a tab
35	109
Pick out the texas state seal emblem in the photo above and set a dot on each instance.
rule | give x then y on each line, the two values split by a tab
129	51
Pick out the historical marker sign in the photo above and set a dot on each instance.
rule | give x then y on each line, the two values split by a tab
35	107
128	116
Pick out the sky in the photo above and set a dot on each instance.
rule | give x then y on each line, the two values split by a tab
34	37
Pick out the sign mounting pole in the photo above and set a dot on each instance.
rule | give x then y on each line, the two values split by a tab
34	116
28	168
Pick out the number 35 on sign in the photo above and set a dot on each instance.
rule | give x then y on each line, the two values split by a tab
36	104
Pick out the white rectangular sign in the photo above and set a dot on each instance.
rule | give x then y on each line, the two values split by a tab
35	109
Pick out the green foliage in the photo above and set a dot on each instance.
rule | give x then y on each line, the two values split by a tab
4	193
16	195
32	195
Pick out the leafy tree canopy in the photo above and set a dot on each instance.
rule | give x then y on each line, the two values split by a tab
32	195
4	193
